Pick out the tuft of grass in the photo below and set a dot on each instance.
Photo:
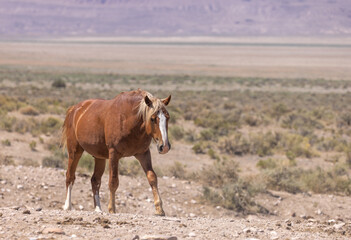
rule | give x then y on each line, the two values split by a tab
86	162
33	145
29	110
58	83
176	132
178	170
130	167
53	162
6	142
223	187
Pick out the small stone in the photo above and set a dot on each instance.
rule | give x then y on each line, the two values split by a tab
38	209
218	207
106	226
192	234
293	214
319	212
20	187
192	215
53	230
331	221
26	212
136	237
339	225
193	201
81	207
156	237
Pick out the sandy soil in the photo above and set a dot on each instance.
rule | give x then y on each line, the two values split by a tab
31	199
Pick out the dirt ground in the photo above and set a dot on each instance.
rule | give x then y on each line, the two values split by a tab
31	199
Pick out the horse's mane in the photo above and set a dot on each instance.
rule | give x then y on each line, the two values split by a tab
145	111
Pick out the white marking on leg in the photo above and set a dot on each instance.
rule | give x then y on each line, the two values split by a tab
162	126
97	201
68	203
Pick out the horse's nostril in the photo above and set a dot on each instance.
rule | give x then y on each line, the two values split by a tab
161	148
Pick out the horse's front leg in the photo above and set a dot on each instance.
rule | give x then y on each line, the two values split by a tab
113	179
145	161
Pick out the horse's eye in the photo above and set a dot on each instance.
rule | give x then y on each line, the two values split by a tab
153	120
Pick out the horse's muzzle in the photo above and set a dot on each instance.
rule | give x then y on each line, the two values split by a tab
163	149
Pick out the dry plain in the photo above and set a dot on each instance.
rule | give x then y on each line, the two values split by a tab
276	107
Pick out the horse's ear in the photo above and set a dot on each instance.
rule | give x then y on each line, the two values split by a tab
166	100
148	101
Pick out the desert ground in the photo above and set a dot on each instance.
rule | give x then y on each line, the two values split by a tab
260	134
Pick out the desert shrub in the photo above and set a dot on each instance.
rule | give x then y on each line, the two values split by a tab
344	120
279	110
6	160
50	125
208	135
130	167
212	154
283	179
236	144
199	148
58	83
86	162
176	132
178	170
8	104
33	145
267	164
283	176
6	142
297	146
29	110
221	172
223	187
53	162
264	144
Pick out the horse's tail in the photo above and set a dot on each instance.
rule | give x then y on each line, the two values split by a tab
67	124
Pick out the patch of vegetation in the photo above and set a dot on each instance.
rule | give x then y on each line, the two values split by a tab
29	110
130	167
6	143
223	187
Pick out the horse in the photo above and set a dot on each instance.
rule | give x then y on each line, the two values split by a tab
111	129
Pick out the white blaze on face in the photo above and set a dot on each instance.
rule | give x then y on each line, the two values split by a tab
162	126
68	203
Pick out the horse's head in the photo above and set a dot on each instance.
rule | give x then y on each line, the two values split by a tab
156	122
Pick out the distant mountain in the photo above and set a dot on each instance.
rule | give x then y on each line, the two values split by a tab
33	18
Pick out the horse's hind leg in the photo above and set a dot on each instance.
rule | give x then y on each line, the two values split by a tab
96	182
113	183
75	151
145	161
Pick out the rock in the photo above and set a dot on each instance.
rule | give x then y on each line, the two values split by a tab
156	237
192	234
250	230
192	215
339	225
26	212
331	221
73	236
81	207
38	209
20	187
53	230
136	237
293	214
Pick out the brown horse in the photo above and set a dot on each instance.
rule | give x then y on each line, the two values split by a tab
112	129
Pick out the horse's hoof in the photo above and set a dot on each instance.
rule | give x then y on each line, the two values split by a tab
66	208
161	214
98	210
